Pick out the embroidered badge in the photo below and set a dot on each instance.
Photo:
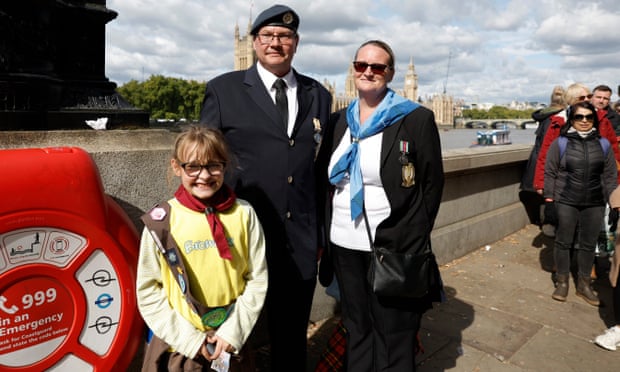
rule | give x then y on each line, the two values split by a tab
182	283
215	317
172	257
157	214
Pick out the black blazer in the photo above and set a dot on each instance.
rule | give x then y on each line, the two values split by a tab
413	209
273	172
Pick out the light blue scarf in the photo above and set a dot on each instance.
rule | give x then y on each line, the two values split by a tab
391	109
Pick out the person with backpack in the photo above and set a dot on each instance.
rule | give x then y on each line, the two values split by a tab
202	272
531	200
580	174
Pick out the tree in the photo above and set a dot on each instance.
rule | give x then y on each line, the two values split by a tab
165	97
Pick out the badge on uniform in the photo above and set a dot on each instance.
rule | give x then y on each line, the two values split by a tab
317	136
182	283
407	169
157	214
215	317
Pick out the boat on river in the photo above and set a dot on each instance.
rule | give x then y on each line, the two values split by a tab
493	137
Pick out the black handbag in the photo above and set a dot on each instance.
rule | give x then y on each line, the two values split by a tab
397	274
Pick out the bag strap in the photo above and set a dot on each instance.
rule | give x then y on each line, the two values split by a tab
159	228
602	140
370	241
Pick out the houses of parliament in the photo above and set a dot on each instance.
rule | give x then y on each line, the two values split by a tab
442	105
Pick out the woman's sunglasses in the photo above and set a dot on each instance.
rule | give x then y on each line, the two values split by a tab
375	68
580	117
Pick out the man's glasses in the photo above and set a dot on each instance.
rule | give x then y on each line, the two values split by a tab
193	169
580	117
583	98
283	38
375	68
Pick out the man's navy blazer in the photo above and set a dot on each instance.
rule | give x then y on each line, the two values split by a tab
273	172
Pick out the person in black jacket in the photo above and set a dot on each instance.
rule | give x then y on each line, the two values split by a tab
385	163
531	200
275	152
579	179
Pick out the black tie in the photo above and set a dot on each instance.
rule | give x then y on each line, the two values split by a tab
281	100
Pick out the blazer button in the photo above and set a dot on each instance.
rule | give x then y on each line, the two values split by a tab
291	142
289	179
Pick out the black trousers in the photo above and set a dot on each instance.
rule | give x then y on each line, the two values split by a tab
288	305
381	332
582	224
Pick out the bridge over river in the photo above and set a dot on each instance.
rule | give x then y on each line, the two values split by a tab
496	123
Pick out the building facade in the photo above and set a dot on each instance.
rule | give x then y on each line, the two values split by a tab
441	104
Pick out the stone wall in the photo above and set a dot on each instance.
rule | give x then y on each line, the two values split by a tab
480	202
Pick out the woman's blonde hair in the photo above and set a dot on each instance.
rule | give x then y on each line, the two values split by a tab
557	97
573	92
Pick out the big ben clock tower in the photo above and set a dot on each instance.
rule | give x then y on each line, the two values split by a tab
411	82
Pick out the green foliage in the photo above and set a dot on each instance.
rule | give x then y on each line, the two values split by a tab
165	97
174	99
497	112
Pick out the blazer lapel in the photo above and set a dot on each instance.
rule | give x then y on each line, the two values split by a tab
388	142
305	99
259	94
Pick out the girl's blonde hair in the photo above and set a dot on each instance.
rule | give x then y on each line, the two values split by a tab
207	144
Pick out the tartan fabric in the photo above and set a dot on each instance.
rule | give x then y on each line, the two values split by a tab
333	356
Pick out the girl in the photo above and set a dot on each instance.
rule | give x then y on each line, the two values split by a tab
202	274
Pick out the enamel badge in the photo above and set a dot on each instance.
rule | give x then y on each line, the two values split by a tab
317	136
407	169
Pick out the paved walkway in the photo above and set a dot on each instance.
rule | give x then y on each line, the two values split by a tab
500	316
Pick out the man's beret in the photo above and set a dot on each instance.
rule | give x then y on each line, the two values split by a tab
277	15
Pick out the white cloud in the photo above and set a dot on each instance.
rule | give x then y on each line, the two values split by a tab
499	50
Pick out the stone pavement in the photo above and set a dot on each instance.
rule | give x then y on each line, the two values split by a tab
499	315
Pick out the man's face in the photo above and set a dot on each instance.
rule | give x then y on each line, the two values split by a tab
600	99
275	47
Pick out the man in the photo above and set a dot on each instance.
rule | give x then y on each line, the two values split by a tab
275	171
601	99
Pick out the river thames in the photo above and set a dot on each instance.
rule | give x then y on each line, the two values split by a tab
463	138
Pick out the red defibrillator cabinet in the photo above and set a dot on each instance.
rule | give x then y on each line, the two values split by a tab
68	256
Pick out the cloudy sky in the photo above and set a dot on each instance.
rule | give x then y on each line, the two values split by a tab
477	50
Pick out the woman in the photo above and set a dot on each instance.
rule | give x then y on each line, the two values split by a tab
580	174
385	163
575	93
533	201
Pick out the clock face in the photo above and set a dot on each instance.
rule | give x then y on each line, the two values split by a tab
408	81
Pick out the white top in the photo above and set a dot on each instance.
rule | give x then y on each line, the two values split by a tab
343	231
291	92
